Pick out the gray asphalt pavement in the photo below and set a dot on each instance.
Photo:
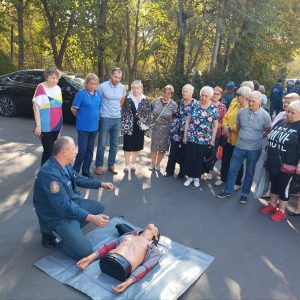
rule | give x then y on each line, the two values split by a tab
255	258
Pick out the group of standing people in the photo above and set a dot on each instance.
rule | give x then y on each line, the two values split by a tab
191	131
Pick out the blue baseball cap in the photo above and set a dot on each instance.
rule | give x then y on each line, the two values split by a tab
230	85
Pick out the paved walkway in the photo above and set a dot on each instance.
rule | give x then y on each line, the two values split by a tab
254	257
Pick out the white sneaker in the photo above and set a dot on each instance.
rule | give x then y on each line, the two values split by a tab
188	181
236	187
218	183
196	182
157	167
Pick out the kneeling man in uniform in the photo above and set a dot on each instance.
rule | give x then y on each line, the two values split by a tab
129	258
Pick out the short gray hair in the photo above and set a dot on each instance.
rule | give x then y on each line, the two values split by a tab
116	70
244	91
208	89
189	87
137	82
262	89
89	77
295	105
60	144
249	83
52	71
257	95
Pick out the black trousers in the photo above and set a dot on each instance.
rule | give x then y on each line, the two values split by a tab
226	157
48	139
194	159
176	154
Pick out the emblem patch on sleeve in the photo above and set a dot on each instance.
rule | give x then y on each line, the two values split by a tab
54	187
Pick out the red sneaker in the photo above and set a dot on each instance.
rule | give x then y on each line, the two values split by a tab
278	216
268	209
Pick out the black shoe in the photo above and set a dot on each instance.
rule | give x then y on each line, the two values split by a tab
48	240
243	199
168	175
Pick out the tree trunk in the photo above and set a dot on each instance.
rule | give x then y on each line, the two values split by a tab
58	55
19	5
136	32
181	21
101	22
12	43
128	42
216	47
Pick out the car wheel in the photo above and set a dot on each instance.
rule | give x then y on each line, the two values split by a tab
8	106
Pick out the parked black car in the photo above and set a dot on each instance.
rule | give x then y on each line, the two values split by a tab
17	90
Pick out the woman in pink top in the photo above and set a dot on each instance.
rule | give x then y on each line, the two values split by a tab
47	108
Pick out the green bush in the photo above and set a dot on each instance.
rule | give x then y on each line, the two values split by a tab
6	65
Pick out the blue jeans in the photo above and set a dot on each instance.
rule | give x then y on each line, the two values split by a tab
86	142
238	157
74	242
108	127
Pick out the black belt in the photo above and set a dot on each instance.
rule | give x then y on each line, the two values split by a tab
115	265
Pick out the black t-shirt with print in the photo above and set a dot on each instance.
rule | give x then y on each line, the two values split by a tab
283	145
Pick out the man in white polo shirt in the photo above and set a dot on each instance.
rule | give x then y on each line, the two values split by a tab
113	93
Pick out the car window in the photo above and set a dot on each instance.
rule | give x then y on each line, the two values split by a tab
74	80
37	77
22	77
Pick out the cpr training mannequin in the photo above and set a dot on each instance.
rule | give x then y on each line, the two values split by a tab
129	258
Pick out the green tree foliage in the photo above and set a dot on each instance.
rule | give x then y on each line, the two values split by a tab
170	41
6	65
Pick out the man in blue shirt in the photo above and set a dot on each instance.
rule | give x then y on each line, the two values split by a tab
59	205
113	94
276	98
86	109
229	94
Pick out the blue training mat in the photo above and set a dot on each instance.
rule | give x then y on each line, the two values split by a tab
177	270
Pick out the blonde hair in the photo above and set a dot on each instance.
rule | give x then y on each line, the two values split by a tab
169	87
89	77
292	97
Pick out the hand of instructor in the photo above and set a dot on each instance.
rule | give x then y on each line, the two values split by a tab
98	220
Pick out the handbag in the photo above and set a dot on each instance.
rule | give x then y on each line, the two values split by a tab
262	184
222	140
287	169
148	132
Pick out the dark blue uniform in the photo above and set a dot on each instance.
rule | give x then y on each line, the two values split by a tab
60	207
276	99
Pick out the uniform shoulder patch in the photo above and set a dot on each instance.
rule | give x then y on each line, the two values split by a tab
54	186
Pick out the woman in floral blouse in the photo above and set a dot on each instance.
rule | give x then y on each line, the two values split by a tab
199	133
218	93
177	128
